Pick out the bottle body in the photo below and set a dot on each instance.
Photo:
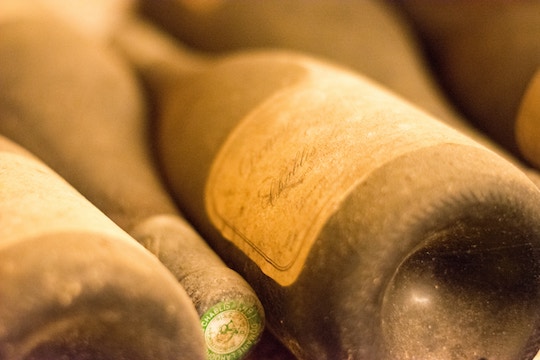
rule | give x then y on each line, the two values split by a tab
527	126
73	283
475	44
317	185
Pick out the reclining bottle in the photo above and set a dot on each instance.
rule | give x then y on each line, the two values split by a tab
77	106
484	54
369	229
527	126
73	284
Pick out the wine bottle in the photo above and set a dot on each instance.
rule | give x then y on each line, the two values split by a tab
74	285
484	54
77	106
528	122
369	229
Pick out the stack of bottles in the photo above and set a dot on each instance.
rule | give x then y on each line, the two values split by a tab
268	180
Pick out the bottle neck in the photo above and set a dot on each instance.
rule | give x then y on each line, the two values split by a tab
160	60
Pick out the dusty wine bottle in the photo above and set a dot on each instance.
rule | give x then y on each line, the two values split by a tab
369	229
73	284
76	105
528	122
484	53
